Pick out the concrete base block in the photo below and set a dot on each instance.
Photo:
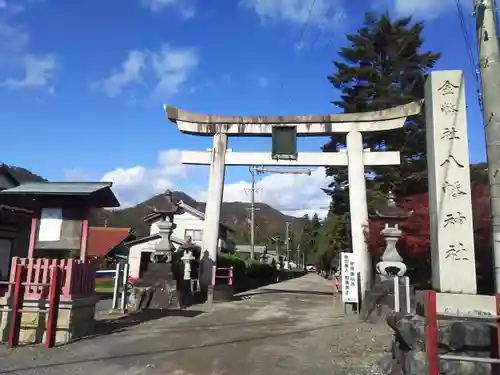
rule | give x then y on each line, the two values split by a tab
74	321
459	304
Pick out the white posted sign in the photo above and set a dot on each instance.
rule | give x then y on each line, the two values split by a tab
50	225
349	273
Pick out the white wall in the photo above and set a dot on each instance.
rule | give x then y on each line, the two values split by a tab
184	221
134	259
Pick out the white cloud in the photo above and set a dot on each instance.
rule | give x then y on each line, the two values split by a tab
15	56
135	184
325	13
294	194
263	82
427	9
129	73
172	67
167	69
185	7
13	38
38	72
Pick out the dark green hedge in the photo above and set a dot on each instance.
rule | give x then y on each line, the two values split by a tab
260	270
241	269
254	269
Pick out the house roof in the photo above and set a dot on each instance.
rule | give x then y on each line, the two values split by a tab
152	237
102	240
186	208
258	249
99	194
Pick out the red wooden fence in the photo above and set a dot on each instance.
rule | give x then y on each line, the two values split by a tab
77	276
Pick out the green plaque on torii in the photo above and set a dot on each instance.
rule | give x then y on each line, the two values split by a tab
284	145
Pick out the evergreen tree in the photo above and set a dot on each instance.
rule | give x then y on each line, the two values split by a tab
308	238
383	66
330	240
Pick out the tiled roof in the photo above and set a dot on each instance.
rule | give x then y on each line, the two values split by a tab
200	214
152	237
102	240
99	192
53	188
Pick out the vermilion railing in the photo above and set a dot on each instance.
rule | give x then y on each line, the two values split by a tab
229	276
78	277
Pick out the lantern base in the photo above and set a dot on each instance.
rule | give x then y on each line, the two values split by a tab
156	289
388	269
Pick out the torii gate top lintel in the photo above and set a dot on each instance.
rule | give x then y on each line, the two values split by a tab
311	125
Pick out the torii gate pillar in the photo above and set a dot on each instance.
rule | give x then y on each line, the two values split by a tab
212	209
358	207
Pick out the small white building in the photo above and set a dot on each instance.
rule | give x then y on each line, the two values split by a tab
188	223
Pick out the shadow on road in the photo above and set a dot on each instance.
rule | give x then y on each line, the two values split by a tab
287	291
282	321
109	326
174	350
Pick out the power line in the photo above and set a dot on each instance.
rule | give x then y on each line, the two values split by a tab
301	209
302	34
468	45
304	26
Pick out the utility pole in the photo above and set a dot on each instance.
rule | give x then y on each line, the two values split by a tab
485	12
276	241
298	255
253	171
287	236
252	213
278	255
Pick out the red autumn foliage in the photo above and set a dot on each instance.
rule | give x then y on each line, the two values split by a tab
414	245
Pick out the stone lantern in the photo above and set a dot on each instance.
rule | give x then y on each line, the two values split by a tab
164	248
391	263
157	287
188	248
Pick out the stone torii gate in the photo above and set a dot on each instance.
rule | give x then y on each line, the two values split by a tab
355	158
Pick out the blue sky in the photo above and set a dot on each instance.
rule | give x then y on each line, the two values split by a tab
82	83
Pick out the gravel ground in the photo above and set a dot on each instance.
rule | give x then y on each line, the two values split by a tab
295	327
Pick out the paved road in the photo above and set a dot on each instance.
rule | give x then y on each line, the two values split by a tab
294	327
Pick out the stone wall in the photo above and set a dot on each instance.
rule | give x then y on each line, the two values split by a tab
75	320
463	338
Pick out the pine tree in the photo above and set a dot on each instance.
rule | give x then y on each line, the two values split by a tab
383	67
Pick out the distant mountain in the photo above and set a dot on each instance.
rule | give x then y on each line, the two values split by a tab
269	221
23	175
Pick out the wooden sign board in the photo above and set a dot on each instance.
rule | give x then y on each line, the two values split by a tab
59	229
284	143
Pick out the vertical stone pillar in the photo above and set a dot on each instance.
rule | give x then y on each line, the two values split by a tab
450	209
212	209
358	208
